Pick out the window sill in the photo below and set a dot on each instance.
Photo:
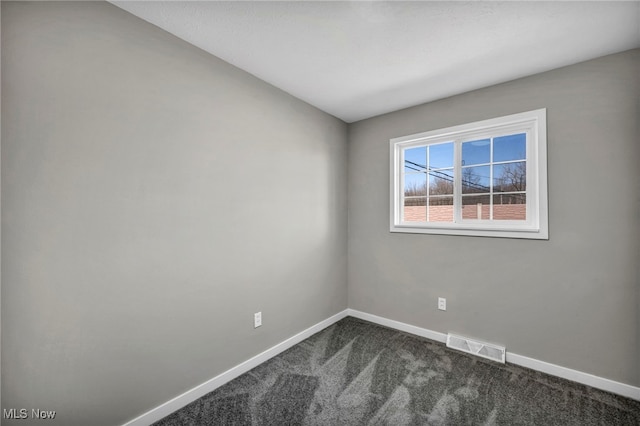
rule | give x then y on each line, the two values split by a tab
532	234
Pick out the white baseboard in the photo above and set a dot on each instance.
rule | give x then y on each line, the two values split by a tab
597	382
191	395
397	325
608	385
199	391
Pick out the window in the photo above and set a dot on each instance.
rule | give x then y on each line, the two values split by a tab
487	178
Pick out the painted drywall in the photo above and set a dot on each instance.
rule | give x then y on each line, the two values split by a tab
0	210
571	300
154	198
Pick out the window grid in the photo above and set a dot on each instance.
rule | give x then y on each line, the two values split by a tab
430	172
504	186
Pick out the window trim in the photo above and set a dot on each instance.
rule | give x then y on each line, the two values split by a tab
536	225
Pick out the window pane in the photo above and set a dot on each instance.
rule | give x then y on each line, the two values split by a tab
453	176
415	184
510	207
475	207
476	152
441	155
415	209
508	148
475	179
440	209
441	182
415	159
510	177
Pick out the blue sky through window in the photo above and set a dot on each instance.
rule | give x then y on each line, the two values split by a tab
441	155
476	152
415	159
475	178
511	147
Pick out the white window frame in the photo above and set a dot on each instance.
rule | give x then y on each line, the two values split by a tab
534	123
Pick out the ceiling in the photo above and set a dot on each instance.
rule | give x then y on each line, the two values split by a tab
358	59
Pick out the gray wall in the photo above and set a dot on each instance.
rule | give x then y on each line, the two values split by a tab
154	198
572	300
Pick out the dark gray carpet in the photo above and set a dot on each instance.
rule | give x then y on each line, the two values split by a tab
358	373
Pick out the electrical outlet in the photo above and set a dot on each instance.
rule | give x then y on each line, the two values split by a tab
442	303
257	319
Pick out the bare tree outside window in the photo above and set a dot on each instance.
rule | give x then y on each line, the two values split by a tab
512	177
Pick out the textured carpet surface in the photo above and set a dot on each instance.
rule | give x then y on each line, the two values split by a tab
358	373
